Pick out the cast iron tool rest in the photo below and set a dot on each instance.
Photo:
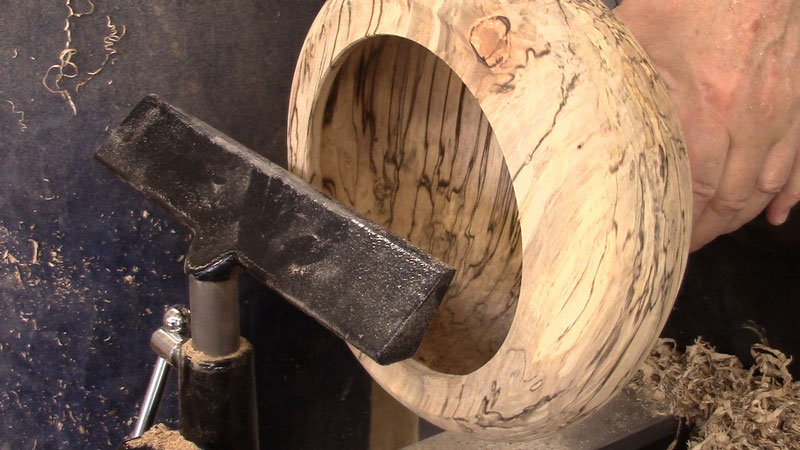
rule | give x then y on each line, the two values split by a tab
371	288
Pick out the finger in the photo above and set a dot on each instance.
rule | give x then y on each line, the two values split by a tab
785	159
772	178
734	197
777	166
739	199
779	208
707	143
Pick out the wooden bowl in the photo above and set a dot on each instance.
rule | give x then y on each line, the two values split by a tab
530	145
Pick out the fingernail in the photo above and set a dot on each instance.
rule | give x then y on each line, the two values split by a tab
781	218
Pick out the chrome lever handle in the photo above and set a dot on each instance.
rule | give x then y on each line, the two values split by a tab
166	343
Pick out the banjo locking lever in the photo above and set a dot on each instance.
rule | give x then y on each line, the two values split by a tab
166	342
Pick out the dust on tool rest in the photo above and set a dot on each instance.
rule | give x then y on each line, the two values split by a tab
369	287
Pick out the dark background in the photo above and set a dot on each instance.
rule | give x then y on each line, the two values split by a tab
87	265
75	320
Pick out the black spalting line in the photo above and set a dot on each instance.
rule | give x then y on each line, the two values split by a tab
565	92
336	34
380	17
371	15
494	419
591	291
391	177
508	85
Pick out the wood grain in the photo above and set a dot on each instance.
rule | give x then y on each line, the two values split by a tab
530	145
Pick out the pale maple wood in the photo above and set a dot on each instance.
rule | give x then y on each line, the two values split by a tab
529	144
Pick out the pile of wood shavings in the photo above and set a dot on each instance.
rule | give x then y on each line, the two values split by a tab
726	405
161	437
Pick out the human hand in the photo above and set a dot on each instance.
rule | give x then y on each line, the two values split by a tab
731	68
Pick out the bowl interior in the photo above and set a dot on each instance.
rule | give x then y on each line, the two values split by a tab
398	137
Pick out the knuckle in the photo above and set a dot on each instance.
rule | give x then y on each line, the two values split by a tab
770	184
720	92
728	205
703	191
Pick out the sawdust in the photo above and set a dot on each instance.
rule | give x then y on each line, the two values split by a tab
727	405
161	437
67	68
23	261
198	356
32	265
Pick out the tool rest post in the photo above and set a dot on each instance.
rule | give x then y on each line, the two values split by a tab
215	315
217	371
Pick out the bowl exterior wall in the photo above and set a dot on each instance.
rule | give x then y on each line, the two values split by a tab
601	179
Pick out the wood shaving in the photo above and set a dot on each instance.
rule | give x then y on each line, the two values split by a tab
35	251
21	118
109	40
728	406
66	68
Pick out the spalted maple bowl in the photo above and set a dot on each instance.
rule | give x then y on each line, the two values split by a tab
531	146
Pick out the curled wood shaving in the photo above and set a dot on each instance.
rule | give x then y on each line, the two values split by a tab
109	40
66	68
21	114
727	405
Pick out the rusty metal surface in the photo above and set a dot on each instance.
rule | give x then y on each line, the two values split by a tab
370	287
